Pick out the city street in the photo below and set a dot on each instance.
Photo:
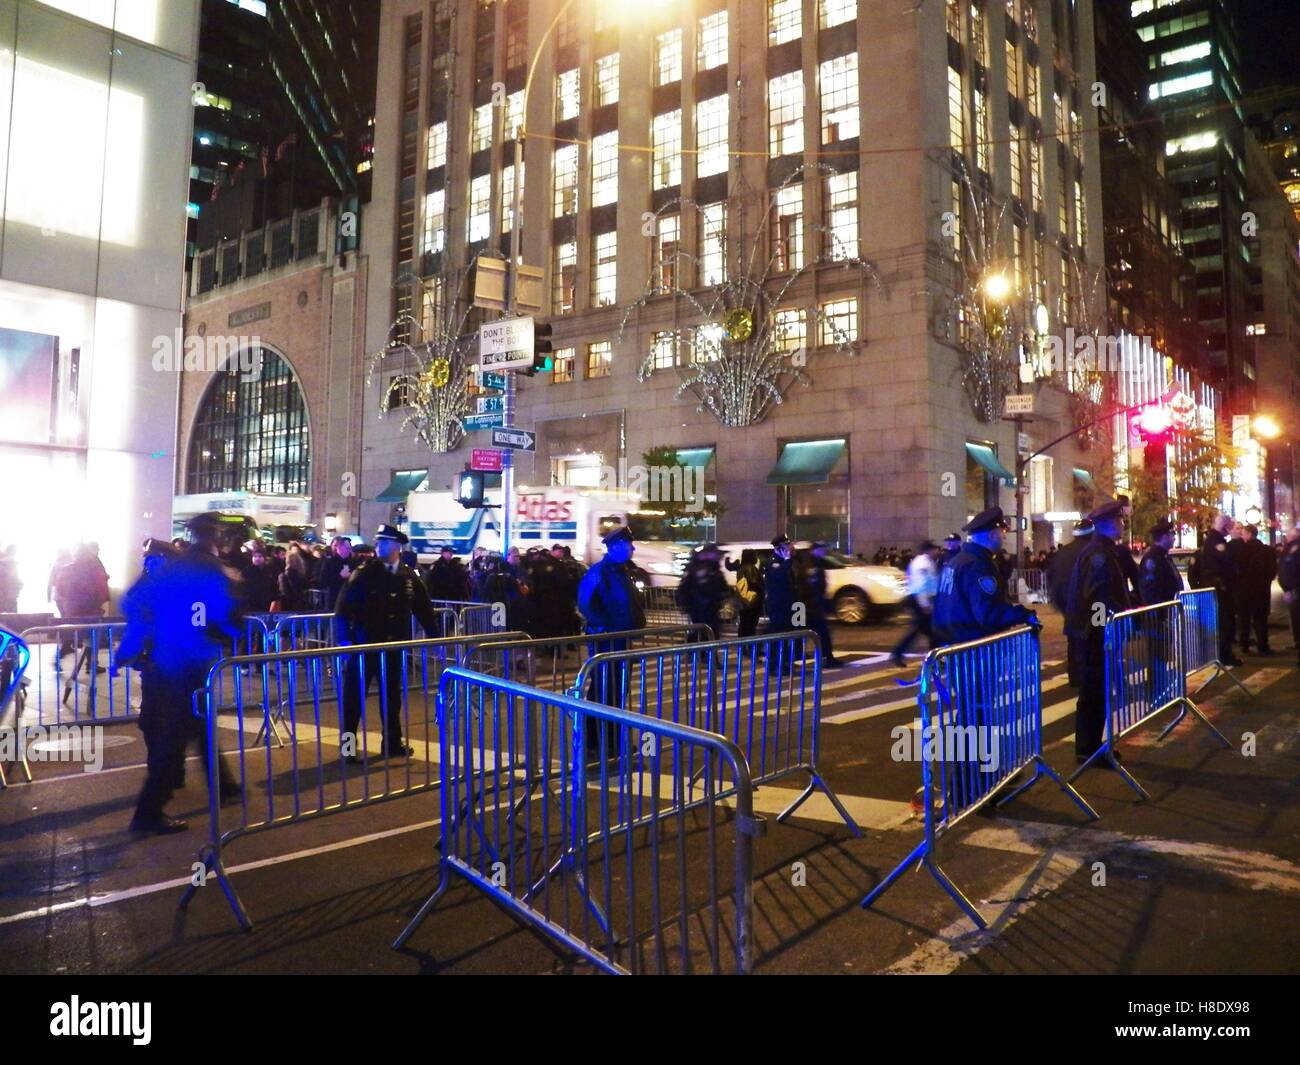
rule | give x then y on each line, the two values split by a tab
1202	879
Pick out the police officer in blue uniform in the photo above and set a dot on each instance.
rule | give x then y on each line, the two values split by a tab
1159	580
972	599
778	585
1098	588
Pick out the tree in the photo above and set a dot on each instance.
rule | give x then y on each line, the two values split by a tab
686	501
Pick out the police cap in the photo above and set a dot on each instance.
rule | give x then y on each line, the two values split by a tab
388	532
1107	511
1083	527
155	548
615	535
952	538
777	541
1161	528
985	520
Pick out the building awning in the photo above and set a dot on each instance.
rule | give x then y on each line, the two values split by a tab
694	456
1083	476
401	486
806	462
986	457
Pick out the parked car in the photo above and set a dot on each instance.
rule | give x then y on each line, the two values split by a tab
859	592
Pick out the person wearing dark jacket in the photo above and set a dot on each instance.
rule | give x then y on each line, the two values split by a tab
703	589
1159	580
779	587
295	583
1288	576
749	592
1257	566
447	578
972	599
1098	588
258	586
610	602
1216	569
335	569
811	584
376	605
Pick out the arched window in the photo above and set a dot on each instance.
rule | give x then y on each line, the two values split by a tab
251	433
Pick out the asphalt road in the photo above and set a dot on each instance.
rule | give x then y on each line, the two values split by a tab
1205	877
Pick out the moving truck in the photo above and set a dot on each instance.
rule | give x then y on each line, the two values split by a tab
269	512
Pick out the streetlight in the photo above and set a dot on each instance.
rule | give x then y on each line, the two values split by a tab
1265	427
997	288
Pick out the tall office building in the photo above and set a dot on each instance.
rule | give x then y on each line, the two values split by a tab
96	121
1194	82
283	111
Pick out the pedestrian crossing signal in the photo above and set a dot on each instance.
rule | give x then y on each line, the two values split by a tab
543	359
467	487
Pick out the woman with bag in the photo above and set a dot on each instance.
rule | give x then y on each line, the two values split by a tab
749	590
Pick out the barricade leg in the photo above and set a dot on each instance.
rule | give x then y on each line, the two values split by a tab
818	783
1041	768
210	856
1105	752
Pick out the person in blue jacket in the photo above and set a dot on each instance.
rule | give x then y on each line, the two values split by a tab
972	599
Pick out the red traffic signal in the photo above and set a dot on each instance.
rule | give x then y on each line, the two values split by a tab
1155	422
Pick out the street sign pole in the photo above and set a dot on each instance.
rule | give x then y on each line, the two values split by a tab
508	396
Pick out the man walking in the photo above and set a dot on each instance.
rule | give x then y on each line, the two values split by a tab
1258	567
922	584
1216	570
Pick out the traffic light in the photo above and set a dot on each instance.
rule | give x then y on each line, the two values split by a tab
467	487
1155	422
542	358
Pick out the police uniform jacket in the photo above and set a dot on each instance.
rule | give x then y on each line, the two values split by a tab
1061	568
972	600
376	606
1215	564
609	600
1160	580
1098	577
1288	569
778	585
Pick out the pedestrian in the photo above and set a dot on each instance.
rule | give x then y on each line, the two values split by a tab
922	584
82	585
951	549
335	569
174	655
1159	580
568	575
779	587
481	571
1288	576
1216	569
1098	588
10	585
971	601
703	589
257	584
811	587
1258	567
749	591
377	605
447	579
1059	570
294	583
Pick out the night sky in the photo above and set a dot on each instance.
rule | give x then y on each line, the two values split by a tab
1270	43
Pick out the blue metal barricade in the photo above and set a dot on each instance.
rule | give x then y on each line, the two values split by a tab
981	727
763	693
1201	637
617	868
69	679
1145	675
14	656
311	776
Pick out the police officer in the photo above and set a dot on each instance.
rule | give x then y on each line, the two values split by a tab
1098	588
1216	569
609	600
972	599
178	615
1257	566
951	549
778	585
1159	580
703	588
376	606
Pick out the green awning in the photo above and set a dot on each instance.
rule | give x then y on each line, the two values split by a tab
986	457
806	462
1083	476
401	486
694	456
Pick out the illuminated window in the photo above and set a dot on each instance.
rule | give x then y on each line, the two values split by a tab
599	356
790	329
516	35
435	221
604	269
953	15
480	208
1080	216
437	145
1186	54
839	89
1036	175
842	215
481	129
711	136
785	114
562	365
1032	86
666	134
607	80
251	433
784	20
664	350
566	95
787	228
956	124
958	209
604	169
833	12
839	321
565	186
432	305
1017	164
668	57
1013	69
508	194
712	221
1189	83
564	276
667	237
514	115
1195	142
706	343
712	37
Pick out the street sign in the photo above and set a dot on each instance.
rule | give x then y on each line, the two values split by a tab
485	459
515	439
1017	404
492	380
491	404
506	344
475	422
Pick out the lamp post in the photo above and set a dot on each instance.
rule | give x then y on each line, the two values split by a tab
1265	429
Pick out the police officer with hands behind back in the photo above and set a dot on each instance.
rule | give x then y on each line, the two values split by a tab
1098	588
972	599
1159	580
376	606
